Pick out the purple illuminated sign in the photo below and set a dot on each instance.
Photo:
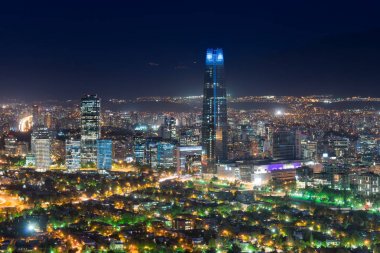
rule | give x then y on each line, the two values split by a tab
282	166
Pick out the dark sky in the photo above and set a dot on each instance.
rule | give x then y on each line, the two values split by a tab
125	48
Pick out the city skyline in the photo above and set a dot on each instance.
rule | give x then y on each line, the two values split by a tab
189	127
50	49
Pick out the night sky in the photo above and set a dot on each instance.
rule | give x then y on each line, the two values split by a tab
123	49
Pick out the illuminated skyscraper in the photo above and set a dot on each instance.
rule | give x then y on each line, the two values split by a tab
72	149
214	119
41	143
169	129
139	147
165	155
90	129
104	155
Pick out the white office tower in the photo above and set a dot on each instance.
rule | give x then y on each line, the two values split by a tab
42	149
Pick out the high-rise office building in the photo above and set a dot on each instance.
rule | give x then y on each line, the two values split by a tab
119	149
189	137
169	129
139	148
39	132
214	118
188	158
90	129
72	149
41	143
151	151
286	144
165	155
10	145
104	161
36	113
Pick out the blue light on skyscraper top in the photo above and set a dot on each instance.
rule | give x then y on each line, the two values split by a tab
214	56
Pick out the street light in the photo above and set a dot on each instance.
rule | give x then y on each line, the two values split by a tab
31	227
279	112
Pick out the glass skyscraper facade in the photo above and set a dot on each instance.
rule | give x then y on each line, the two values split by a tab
139	148
165	155
214	118
90	129
72	149
104	155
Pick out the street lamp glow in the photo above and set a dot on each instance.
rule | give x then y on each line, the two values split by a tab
31	227
279	113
